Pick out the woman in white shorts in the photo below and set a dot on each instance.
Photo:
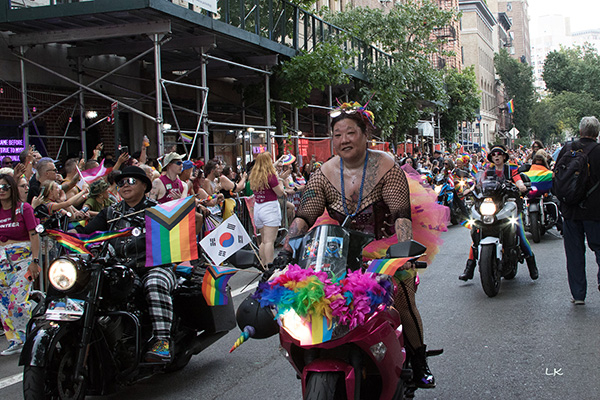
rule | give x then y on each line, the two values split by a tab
267	214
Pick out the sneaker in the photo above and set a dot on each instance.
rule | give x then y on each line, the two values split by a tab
159	353
13	348
578	302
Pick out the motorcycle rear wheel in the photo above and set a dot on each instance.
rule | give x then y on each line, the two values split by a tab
536	227
489	271
324	386
55	380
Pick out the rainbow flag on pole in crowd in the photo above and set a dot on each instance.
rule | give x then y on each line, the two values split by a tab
214	284
387	266
511	106
513	167
92	174
171	232
541	180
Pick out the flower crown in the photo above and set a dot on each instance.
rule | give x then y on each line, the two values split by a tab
352	108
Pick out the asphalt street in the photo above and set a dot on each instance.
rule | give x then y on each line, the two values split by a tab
529	342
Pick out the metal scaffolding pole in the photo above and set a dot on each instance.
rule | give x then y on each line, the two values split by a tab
82	128
24	99
204	79
160	140
268	112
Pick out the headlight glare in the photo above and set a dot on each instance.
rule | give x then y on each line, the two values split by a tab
62	274
437	189
487	207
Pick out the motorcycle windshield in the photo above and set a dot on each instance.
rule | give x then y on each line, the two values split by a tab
325	248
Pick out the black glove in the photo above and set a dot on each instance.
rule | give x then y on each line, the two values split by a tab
281	261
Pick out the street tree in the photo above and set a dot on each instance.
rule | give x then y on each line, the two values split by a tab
463	101
517	78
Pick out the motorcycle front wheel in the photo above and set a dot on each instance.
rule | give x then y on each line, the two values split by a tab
536	227
325	386
489	270
55	380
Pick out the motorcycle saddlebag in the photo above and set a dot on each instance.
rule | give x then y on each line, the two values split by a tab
189	304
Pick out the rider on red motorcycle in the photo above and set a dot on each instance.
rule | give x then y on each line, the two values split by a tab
379	205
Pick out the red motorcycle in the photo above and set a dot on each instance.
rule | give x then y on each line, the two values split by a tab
336	323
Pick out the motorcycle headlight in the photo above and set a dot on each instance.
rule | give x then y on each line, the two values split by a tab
62	274
296	326
437	189
487	207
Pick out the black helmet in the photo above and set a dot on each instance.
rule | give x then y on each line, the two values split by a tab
262	319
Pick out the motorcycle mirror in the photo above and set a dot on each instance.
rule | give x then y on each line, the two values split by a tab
136	232
409	248
40	228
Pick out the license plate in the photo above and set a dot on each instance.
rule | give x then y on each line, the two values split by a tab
65	309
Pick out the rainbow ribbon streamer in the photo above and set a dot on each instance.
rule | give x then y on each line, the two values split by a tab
387	266
69	242
214	284
79	243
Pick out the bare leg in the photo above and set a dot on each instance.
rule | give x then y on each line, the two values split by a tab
267	245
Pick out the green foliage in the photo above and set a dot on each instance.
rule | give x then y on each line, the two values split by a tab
518	82
315	70
463	101
572	76
406	32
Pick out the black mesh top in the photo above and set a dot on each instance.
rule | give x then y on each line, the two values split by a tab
387	201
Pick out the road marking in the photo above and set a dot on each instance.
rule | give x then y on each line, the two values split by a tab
244	289
11	380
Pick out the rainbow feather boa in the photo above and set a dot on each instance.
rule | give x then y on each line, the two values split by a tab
312	294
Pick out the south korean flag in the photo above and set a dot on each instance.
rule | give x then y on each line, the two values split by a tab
225	240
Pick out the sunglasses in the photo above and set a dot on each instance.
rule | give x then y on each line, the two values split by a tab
126	181
497	153
177	162
5	187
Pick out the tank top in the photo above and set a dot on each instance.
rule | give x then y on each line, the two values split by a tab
173	189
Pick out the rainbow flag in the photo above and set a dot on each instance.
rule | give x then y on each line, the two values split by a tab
387	266
171	232
102	236
90	175
68	241
75	224
541	180
214	284
474	170
513	167
320	329
511	106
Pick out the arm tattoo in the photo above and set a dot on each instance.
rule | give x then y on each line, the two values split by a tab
298	228
403	229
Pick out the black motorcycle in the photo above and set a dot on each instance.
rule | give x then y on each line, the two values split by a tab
541	214
494	224
90	334
443	187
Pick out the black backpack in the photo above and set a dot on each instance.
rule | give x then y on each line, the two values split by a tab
571	176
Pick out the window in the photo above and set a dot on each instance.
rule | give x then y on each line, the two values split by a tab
508	6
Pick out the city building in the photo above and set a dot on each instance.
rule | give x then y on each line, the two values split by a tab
477	41
517	11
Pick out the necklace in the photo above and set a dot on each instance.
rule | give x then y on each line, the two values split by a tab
360	193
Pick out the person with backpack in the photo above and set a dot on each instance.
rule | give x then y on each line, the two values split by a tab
575	183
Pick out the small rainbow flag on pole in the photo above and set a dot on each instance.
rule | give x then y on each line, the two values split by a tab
90	175
214	284
171	232
387	266
511	106
78	243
